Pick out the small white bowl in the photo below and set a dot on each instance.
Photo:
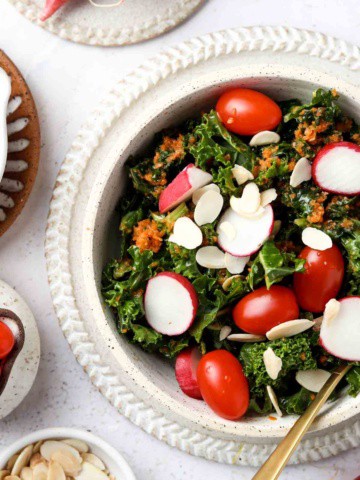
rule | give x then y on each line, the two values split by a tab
115	462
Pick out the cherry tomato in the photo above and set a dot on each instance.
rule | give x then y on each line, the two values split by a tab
223	384
247	112
263	309
7	340
322	279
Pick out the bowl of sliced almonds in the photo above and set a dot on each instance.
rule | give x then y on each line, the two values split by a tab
62	454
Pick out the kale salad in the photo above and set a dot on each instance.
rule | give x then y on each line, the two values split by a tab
239	252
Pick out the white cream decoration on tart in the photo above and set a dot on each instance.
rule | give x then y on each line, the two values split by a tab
9	106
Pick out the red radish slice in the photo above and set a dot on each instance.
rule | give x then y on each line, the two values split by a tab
336	168
170	303
340	336
51	6
251	232
182	187
185	371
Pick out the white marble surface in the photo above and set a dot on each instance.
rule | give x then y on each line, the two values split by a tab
67	81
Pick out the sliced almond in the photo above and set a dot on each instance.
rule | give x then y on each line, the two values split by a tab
276	229
235	265
208	208
301	172
264	138
4	473
50	447
26	473
210	257
37	446
228	281
80	446
68	461
274	400
22	460
94	460
11	462
186	234
246	337
332	309
267	196
12	477
312	380
35	459
273	363
241	174
316	239
56	471
289	329
40	471
200	192
249	202
224	332
90	472
229	230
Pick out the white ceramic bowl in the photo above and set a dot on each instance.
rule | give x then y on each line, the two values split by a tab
111	457
82	225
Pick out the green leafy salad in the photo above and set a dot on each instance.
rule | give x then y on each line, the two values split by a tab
244	241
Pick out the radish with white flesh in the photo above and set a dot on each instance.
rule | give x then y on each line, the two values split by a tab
185	371
336	168
182	187
251	232
340	335
170	303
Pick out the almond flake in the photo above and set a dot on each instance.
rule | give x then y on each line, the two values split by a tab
229	230
55	472
273	363
90	472
301	172
201	191
228	282
12	477
274	400
4	473
40	472
267	196
26	474
241	174
186	234
235	265
94	460
246	337
11	462
208	208
80	446
210	257
312	380
37	446
289	329
22	460
50	447
224	332
35	459
332	309
264	138
69	463
316	239
249	202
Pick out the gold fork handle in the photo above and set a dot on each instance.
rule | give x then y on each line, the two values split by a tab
281	455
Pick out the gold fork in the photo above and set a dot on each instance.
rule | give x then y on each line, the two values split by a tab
277	461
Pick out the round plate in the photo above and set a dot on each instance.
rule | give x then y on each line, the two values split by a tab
283	62
23	147
130	22
25	366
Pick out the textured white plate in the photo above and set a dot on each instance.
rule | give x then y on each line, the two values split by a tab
130	22
280	61
26	365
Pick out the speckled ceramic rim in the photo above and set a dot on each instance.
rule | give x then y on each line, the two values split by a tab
62	433
109	35
197	433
